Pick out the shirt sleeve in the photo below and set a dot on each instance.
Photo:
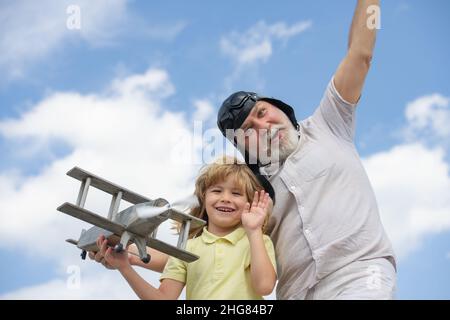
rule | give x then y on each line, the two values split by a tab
175	269
335	114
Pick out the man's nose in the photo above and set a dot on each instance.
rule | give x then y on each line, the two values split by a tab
261	127
260	124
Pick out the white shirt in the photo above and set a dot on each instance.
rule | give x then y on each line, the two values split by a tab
325	215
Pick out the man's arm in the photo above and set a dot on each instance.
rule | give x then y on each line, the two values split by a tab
351	73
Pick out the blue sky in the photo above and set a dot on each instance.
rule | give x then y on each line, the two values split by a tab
119	94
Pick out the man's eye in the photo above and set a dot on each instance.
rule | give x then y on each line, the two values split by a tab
261	113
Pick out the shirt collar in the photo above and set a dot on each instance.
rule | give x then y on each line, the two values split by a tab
232	237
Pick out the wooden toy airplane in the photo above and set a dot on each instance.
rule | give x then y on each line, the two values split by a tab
137	224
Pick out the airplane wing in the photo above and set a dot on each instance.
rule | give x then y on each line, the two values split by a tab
72	241
106	186
180	217
171	250
75	242
92	218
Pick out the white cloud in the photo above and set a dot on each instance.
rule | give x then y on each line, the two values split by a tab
99	284
204	110
411	183
33	29
428	117
411	180
246	55
253	47
255	44
154	82
83	280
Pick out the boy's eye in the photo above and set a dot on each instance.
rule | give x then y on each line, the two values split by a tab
237	193
261	113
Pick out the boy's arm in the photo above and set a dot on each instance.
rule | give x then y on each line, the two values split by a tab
157	262
262	272
168	290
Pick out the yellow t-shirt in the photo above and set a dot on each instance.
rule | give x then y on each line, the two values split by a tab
223	270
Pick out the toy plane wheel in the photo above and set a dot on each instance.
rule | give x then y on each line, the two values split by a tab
146	259
118	248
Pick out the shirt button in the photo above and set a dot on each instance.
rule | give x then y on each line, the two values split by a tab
292	188
307	231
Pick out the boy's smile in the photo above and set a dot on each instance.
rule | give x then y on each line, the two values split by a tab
225	209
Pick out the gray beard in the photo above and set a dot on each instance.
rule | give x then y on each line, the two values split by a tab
286	148
278	155
288	145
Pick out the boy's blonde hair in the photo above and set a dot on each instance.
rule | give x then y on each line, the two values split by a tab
217	172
